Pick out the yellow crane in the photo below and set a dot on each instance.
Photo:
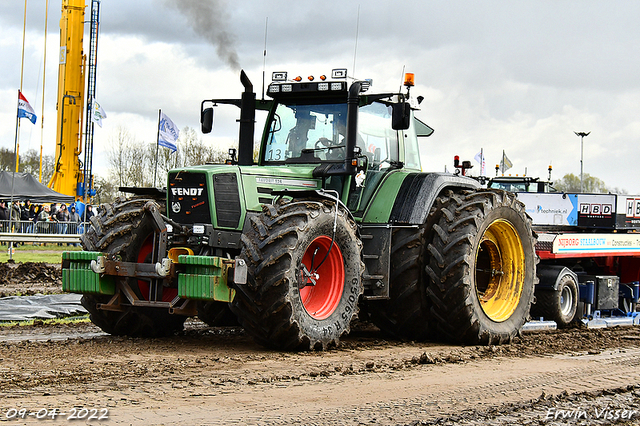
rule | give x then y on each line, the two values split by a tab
70	104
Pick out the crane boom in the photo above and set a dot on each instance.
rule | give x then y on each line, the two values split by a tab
71	86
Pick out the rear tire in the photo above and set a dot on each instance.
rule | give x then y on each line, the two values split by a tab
482	266
278	306
124	230
405	314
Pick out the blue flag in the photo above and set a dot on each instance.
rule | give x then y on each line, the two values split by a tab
167	133
24	109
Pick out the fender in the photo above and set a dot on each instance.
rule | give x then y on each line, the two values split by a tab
418	192
550	275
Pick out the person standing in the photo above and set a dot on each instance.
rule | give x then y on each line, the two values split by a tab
4	217
62	215
74	219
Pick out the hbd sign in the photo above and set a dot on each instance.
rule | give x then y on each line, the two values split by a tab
596	209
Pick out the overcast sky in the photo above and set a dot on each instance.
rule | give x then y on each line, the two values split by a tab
499	75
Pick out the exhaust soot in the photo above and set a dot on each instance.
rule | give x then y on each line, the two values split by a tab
208	19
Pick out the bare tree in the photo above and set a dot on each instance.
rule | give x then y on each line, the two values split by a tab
128	160
29	163
133	163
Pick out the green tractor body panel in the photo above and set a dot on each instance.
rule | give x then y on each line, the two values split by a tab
383	199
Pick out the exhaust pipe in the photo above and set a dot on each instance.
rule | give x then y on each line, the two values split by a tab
247	122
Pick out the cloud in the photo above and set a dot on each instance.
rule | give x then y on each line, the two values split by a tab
519	76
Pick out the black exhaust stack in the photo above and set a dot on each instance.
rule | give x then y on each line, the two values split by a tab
247	122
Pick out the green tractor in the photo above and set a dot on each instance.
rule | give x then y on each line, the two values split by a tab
333	221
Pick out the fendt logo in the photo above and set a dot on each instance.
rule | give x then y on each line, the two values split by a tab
596	209
189	192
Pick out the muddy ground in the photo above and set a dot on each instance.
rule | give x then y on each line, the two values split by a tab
207	375
29	278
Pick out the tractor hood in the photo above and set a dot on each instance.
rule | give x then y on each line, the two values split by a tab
221	195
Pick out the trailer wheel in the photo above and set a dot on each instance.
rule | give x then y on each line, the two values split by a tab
406	313
558	305
125	230
303	284
481	266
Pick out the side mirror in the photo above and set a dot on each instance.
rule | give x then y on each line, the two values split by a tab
206	120
400	116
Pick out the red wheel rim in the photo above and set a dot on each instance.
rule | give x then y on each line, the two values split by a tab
322	299
144	256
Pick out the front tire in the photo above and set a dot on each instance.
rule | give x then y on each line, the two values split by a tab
216	314
482	266
295	300
125	230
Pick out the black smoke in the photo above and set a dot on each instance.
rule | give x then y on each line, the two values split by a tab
208	18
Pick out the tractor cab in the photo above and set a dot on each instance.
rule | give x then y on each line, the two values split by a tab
353	139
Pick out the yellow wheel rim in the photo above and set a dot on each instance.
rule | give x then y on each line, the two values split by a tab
500	270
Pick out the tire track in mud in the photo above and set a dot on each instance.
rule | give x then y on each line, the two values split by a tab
211	376
422	394
414	396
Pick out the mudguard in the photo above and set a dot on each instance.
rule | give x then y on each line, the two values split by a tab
418	192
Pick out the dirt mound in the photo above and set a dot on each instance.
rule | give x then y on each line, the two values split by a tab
29	278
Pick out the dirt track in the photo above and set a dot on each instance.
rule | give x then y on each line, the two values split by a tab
219	376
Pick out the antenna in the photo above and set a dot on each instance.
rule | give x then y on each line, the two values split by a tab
355	50
264	54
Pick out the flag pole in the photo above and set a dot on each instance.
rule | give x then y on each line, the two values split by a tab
13	176
481	161
155	172
24	32
44	74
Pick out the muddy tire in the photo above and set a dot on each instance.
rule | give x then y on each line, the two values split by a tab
216	314
558	305
279	306
406	314
481	267
125	230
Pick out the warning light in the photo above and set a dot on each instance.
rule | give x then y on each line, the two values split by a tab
409	79
298	78
323	77
310	78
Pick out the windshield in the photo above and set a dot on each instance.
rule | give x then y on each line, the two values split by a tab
316	133
307	133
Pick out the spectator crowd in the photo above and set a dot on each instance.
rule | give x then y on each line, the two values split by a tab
53	218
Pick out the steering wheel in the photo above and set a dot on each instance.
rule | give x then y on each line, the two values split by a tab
326	143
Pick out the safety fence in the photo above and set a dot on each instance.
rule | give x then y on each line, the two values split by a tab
23	231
